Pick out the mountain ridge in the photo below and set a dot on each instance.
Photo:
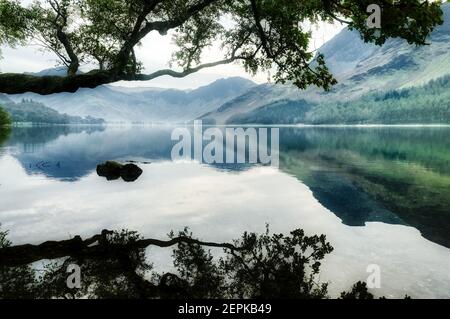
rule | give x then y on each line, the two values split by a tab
29	111
116	104
360	68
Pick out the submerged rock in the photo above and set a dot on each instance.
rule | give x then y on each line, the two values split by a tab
113	171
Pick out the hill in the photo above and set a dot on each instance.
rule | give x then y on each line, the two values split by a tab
429	103
32	112
363	71
114	103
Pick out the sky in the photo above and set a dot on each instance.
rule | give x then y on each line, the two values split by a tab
155	53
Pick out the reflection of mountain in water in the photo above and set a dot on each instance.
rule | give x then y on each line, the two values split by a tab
41	135
366	174
390	175
69	152
346	200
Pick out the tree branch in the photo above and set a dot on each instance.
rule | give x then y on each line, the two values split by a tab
161	26
94	247
14	83
63	38
261	32
182	74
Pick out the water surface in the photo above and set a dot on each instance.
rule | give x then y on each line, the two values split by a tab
381	195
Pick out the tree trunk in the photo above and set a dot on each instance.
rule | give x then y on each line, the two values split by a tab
74	61
73	68
12	83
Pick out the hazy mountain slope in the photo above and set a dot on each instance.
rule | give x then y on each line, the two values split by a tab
428	104
31	111
114	103
58	71
251	100
360	68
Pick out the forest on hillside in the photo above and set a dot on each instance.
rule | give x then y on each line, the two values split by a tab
427	104
29	111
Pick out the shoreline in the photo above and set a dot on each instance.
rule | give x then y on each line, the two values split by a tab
28	124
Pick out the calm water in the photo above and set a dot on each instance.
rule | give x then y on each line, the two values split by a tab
381	195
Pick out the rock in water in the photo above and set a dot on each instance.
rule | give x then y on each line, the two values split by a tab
113	171
130	172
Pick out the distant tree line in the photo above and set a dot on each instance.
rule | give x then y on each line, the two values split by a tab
29	111
426	104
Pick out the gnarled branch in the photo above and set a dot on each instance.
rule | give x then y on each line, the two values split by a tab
94	247
13	83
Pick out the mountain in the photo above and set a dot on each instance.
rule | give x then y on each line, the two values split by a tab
31	111
58	71
363	70
114	103
377	84
428	104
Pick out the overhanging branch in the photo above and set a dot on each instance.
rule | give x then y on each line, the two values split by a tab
94	247
141	29
13	83
163	26
182	74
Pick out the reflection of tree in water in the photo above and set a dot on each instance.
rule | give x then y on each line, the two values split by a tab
113	265
392	175
18	281
5	132
47	133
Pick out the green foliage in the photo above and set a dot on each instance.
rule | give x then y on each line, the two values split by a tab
270	266
277	266
427	104
279	112
13	23
198	276
113	275
263	266
4	242
359	291
5	119
405	170
412	20
16	282
263	35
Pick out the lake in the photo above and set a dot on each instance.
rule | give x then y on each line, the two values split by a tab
380	194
